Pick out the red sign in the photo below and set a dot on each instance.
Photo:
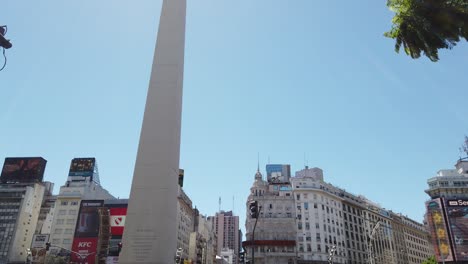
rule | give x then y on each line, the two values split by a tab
117	220
84	250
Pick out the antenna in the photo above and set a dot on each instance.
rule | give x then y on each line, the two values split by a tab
233	205
464	147
258	161
220	204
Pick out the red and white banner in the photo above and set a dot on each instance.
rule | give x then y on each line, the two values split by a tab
117	220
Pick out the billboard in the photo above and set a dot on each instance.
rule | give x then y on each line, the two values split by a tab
23	170
84	250
83	167
438	228
87	232
38	248
278	173
457	216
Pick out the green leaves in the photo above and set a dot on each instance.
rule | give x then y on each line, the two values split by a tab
430	260
425	26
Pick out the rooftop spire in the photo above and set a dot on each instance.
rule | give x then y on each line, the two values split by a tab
258	161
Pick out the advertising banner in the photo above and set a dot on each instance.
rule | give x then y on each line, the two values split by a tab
38	248
438	228
23	170
457	215
39	241
85	249
87	232
83	167
117	220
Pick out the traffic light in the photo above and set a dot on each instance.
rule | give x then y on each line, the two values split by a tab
253	207
120	247
47	246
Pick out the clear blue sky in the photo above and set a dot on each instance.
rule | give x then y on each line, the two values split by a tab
279	78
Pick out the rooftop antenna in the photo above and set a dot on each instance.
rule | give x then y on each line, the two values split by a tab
258	162
233	205
464	148
220	204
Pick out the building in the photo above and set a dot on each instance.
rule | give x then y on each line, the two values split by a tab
185	223
202	248
22	193
274	239
226	227
329	224
320	218
82	184
447	213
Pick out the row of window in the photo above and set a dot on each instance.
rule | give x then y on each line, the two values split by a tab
70	212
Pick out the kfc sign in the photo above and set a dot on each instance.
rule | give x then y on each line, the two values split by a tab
85	250
84	244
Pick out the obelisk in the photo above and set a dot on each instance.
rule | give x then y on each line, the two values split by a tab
150	225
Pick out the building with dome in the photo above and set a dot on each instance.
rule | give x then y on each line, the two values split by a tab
275	233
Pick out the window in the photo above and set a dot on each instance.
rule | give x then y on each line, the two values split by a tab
68	231
70	221
64	203
59	221
74	203
306	206
72	212
67	241
62	212
58	231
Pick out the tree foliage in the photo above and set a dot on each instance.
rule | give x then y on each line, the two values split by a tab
425	26
430	260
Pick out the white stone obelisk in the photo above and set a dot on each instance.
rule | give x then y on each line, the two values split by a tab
150	225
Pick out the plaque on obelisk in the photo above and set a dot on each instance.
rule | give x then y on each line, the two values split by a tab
150	226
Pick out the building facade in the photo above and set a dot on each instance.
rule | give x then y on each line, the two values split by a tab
185	223
274	239
226	227
82	184
447	211
331	224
